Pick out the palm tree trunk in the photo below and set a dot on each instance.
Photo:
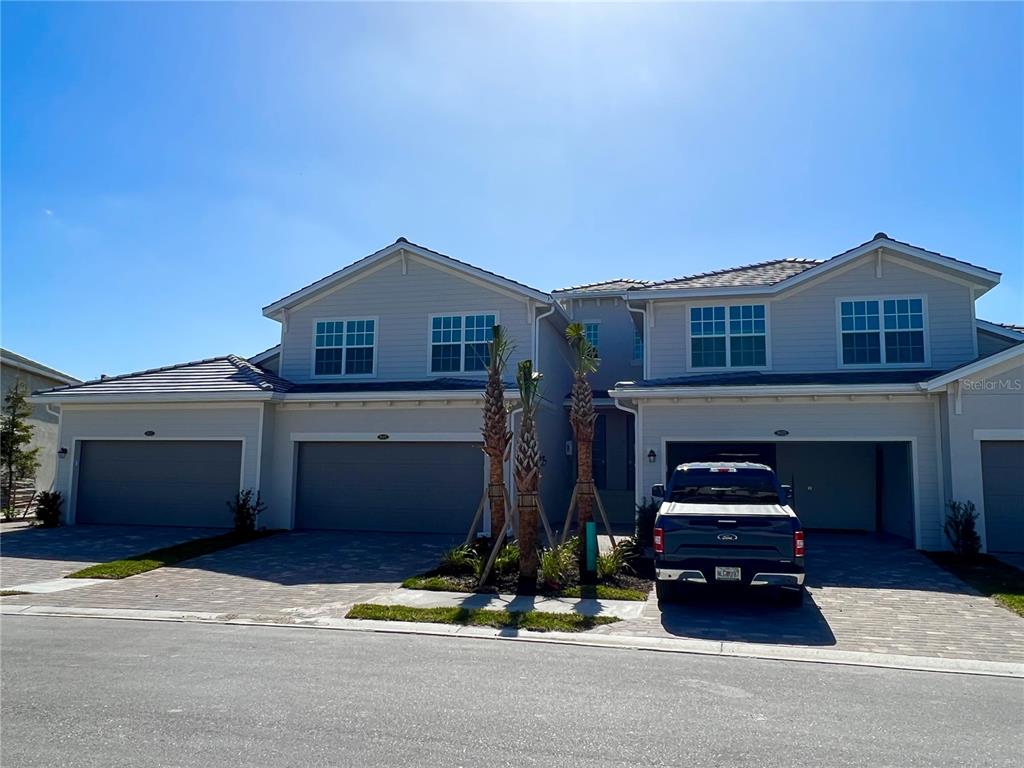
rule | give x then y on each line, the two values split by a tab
496	494
585	475
529	562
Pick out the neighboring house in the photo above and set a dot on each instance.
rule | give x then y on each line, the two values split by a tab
16	368
366	416
865	380
851	376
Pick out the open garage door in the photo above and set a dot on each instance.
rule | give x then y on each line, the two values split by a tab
846	486
409	487
158	482
1002	471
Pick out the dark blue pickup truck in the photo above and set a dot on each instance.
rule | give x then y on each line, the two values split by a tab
728	525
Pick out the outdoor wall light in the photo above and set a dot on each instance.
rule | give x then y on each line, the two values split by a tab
652	456
62	452
149	433
543	460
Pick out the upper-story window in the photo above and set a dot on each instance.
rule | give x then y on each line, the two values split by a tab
460	342
344	347
737	342
638	345
882	331
593	333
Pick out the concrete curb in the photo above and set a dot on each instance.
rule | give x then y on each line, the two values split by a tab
664	645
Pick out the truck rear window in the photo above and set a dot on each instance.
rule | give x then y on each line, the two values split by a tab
708	487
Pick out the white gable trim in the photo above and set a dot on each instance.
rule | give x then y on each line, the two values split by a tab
981	277
998	330
999	358
262	357
401	251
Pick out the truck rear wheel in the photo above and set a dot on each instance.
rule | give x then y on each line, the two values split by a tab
667	591
792	597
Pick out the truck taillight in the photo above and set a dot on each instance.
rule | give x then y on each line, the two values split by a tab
798	544
659	540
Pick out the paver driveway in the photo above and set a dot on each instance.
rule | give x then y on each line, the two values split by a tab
30	554
866	594
299	574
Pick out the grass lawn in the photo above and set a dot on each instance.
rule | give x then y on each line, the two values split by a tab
600	591
148	561
992	577
535	621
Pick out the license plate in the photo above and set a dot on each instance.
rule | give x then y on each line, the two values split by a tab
726	573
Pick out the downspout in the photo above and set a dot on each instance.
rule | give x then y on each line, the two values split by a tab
643	326
637	446
536	336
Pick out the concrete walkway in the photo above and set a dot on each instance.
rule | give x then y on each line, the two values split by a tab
421	598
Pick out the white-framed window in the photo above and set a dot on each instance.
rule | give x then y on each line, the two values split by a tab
459	343
733	336
592	331
638	345
882	331
345	347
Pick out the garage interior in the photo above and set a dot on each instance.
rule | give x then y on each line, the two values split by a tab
837	486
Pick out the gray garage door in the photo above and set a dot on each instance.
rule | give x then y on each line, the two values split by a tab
414	487
167	482
847	486
1002	466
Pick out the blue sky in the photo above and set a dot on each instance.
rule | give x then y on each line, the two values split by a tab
169	169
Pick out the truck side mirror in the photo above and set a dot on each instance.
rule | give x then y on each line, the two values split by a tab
658	491
787	493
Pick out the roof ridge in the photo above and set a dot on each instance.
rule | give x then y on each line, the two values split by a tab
256	375
753	265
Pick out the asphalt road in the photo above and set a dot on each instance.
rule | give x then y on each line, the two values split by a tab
90	692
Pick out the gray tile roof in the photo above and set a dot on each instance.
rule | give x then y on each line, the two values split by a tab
754	378
617	285
427	385
762	273
215	375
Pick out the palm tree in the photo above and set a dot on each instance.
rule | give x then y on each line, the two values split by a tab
527	476
495	430
582	418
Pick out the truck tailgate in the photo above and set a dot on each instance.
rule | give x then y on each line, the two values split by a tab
711	536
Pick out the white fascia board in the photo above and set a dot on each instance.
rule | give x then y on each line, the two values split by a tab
48	373
265	355
805	390
983	277
152	397
403	396
272	310
999	330
1007	355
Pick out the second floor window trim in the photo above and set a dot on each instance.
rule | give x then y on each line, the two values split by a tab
345	347
728	336
457	342
882	331
638	345
592	331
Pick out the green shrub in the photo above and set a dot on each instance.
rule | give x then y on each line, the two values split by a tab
556	563
645	513
245	509
507	560
960	528
611	564
48	509
10	513
459	561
